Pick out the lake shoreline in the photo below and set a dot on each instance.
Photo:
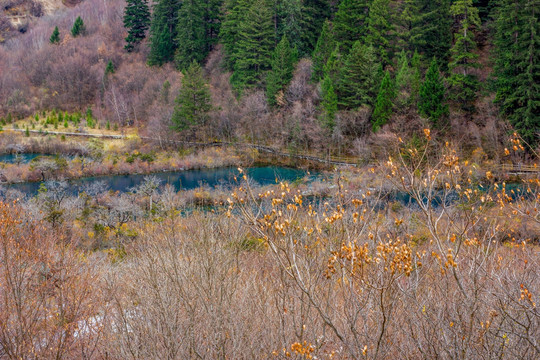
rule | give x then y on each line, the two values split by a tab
183	180
137	163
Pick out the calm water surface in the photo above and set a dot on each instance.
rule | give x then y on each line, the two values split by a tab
181	180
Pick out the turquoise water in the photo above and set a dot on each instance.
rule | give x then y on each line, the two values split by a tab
181	180
19	158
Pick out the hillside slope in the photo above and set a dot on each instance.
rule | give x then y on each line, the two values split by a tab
16	16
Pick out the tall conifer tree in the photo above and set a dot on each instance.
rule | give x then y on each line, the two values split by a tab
383	105
517	69
235	11
283	60
191	34
254	47
163	32
323	49
403	79
432	93
289	22
431	32
463	83
212	20
350	22
407	11
358	78
329	102
333	69
416	79
193	101
314	15
380	30
136	21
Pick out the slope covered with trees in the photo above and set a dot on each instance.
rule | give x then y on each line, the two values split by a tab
385	65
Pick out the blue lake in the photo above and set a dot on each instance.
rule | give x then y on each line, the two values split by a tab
181	180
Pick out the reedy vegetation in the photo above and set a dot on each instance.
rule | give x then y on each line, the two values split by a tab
274	274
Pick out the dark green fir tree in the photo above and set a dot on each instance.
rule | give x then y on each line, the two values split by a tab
191	38
55	37
289	22
136	21
431	103
333	69
416	77
384	103
314	15
463	83
380	32
329	102
78	27
212	21
324	47
193	102
229	34
431	32
283	61
163	32
517	70
403	79
350	22
359	84
253	54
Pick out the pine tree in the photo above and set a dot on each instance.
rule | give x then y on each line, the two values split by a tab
253	53
383	105
78	27
403	79
283	60
416	79
193	102
432	93
235	11
405	21
431	33
518	66
163	32
110	68
289	16
212	21
463	84
350	22
136	21
323	49
314	14
380	31
55	37
329	102
333	69
359	84
191	38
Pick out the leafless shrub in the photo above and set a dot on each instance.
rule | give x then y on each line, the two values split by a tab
300	84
